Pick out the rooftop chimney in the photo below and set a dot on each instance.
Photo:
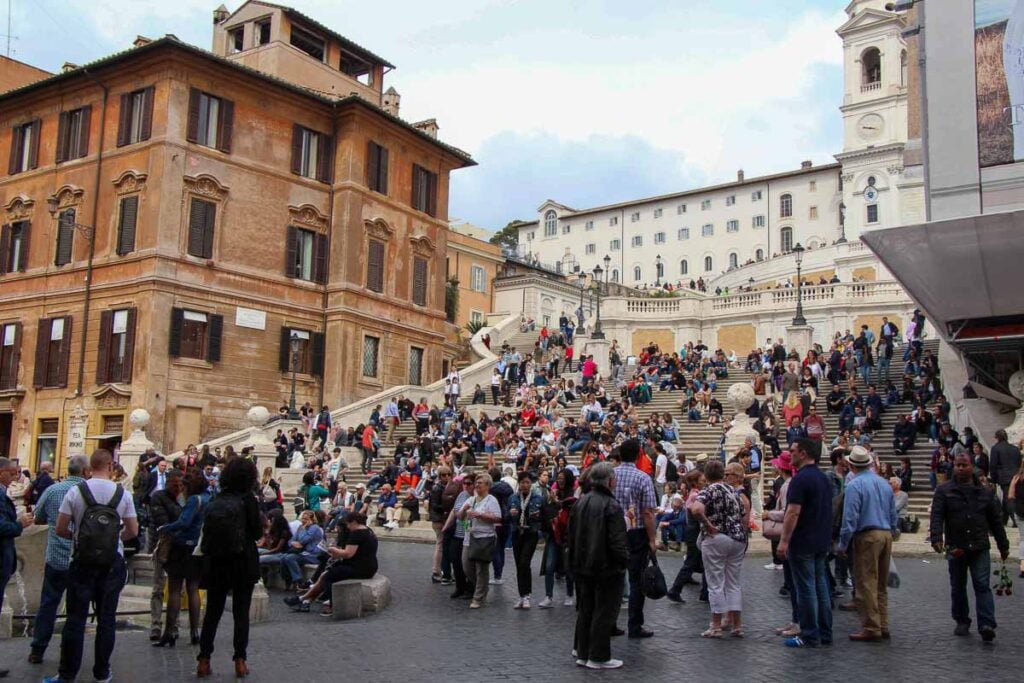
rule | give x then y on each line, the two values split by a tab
739	176
220	14
429	127
141	40
392	101
806	164
68	66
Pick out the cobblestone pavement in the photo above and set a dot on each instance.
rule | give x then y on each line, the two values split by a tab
424	633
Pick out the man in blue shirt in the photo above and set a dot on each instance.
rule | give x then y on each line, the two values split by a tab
869	523
806	540
58	556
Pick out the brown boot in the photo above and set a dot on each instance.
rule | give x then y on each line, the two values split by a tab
241	670
203	669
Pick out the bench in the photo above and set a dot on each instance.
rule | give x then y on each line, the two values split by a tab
273	579
352	598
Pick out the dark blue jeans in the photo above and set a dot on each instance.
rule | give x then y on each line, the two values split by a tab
87	586
498	556
813	597
979	565
55	582
639	552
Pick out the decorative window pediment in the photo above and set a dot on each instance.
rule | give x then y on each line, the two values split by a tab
307	216
20	207
130	182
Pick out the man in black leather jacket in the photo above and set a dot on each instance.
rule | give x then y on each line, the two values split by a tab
164	508
964	513
598	558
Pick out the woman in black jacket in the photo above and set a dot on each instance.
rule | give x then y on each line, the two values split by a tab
236	573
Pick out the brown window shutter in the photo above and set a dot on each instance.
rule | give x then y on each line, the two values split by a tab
372	165
5	248
124	119
296	149
419	281
382	171
375	266
208	224
431	193
126	225
147	113
103	348
174	335
417	188
129	348
284	354
320	259
12	163
16	360
26	232
215	328
291	252
192	132
65	353
65	237
42	344
83	138
226	125
197	228
62	136
325	161
33	152
319	351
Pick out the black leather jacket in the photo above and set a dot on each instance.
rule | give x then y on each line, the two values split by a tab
163	509
597	536
966	514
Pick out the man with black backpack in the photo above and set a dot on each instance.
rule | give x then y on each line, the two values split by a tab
98	515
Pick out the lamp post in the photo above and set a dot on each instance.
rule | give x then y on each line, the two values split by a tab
582	275
657	270
842	224
799	319
597	333
293	344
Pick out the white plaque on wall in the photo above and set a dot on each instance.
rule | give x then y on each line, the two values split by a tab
251	318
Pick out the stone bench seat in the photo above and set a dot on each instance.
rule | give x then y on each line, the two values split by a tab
353	598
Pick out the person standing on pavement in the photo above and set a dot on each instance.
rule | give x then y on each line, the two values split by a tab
598	558
58	556
439	505
10	528
1017	499
524	508
635	493
164	508
806	541
1004	461
964	514
97	571
870	524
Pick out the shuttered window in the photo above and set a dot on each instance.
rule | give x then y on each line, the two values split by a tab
312	154
194	334
65	237
14	247
116	351
306	255
202	218
419	281
377	168
424	190
375	265
135	122
307	354
210	120
24	147
53	352
10	355
128	216
73	134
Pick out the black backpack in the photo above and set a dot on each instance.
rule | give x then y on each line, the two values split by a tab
671	471
224	527
98	532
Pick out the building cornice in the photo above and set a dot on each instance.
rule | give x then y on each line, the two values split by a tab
891	148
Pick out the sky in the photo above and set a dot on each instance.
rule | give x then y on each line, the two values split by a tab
585	103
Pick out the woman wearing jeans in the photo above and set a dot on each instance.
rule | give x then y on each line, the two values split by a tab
723	545
557	513
478	515
524	508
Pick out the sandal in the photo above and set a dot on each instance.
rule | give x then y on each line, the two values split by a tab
795	631
712	633
737	633
783	629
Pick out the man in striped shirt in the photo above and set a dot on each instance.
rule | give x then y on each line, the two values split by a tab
58	556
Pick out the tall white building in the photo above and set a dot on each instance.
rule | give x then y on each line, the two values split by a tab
708	231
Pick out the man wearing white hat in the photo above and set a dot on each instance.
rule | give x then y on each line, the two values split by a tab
869	524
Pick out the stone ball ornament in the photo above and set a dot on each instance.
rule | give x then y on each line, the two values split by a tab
1016	385
257	416
139	418
740	396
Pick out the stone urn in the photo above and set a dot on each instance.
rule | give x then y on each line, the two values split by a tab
740	397
1015	432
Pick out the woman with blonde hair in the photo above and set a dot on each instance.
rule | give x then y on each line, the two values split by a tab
478	515
792	408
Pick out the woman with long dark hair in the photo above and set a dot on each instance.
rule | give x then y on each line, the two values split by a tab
182	567
233	566
555	524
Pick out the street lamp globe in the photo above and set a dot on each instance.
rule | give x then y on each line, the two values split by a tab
798	253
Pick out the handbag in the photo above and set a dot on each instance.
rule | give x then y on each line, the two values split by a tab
481	548
652	583
771	529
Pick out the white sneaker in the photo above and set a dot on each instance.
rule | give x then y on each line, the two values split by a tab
526	603
496	582
770	566
574	654
519	605
610	664
580	662
569	602
545	604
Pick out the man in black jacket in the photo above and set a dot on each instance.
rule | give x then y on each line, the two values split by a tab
1004	463
598	558
965	513
164	508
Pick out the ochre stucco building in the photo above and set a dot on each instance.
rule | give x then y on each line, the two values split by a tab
228	208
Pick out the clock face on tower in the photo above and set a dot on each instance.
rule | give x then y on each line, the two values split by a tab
870	126
871	194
